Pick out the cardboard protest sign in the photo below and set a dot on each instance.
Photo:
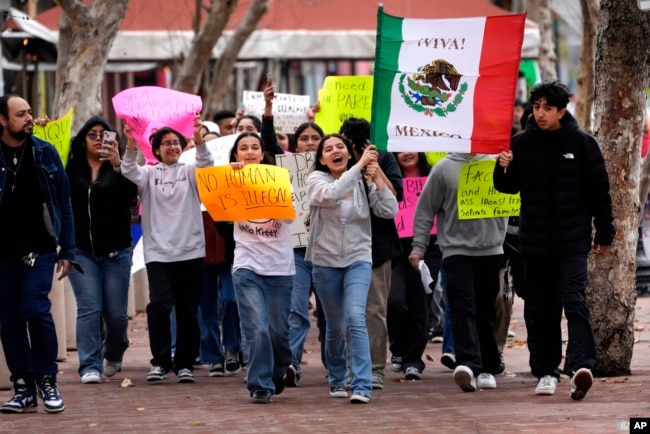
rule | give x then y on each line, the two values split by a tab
406	208
219	147
149	108
299	166
477	197
255	191
58	133
289	111
341	98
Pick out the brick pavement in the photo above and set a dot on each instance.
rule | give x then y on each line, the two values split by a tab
434	404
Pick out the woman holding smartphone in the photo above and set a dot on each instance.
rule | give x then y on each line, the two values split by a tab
101	201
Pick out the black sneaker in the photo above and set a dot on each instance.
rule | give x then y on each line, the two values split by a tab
232	363
157	373
396	363
292	376
185	375
261	397
24	401
49	393
216	370
412	373
280	384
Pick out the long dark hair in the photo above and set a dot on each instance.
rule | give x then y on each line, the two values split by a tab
256	122
78	170
233	152
319	152
423	165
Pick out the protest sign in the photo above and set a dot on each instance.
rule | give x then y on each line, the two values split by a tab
58	133
148	108
299	166
477	197
219	147
255	191
289	111
341	98
406	208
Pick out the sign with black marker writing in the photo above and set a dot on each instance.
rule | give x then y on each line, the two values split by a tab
255	191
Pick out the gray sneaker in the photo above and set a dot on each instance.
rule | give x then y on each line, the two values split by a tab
111	368
377	382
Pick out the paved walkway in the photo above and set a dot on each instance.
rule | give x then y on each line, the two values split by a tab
435	404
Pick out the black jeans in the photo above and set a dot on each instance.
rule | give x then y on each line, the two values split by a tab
175	284
407	315
554	283
472	287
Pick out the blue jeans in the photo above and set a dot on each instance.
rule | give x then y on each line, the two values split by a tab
299	316
264	304
343	293
218	311
102	293
24	304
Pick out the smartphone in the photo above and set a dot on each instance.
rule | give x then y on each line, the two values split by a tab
108	140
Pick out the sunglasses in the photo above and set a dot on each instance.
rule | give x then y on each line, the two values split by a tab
94	136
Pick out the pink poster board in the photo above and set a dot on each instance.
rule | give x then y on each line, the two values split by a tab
404	218
148	108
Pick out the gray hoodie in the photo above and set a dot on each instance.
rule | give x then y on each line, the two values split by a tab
172	225
335	244
476	237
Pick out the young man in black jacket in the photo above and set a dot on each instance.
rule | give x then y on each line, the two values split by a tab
560	173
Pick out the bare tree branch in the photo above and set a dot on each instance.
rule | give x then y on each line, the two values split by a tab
188	79
224	66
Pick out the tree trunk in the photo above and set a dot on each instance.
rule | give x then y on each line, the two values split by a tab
189	75
223	67
585	77
540	12
622	76
86	33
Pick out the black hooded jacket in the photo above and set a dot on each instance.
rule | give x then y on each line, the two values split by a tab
102	210
564	187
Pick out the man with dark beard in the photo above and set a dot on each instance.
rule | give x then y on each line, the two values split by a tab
37	233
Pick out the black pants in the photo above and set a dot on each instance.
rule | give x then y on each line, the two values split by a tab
407	315
472	287
554	283
174	284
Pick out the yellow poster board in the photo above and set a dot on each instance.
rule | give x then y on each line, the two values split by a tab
256	191
477	197
343	97
58	133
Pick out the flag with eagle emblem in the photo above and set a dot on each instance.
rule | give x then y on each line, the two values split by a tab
445	84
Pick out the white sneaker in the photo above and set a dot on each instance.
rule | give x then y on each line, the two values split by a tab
464	378
580	383
486	381
91	377
111	368
546	386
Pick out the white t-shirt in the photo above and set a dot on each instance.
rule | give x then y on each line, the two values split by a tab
264	247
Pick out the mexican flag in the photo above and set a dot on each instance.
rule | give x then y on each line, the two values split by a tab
445	84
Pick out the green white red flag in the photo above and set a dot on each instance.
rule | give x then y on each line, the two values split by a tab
445	84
